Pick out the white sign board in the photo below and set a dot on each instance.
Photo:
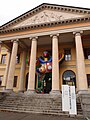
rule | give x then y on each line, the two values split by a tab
69	99
65	98
72	100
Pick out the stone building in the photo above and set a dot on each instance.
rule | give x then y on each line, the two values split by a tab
44	48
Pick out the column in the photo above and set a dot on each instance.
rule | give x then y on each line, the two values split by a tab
6	71
55	66
32	68
81	74
10	80
22	72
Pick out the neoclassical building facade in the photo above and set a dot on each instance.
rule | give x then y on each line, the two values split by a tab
44	48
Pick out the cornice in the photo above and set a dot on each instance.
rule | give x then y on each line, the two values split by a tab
45	6
49	24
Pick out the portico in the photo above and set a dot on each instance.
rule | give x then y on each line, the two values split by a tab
48	32
55	40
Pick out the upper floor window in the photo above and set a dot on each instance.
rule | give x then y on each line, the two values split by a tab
1	77
87	53
17	58
88	79
15	81
3	59
67	53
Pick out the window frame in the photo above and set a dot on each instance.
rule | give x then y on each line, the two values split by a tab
15	81
3	59
67	54
18	59
87	53
1	76
88	80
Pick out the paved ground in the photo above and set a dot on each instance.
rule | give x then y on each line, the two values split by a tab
28	116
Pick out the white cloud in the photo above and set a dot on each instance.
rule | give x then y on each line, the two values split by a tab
10	9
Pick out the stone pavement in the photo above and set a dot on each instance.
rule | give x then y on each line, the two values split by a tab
29	116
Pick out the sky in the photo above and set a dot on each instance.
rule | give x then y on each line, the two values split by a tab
10	9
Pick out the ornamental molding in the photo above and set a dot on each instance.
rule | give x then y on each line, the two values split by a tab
47	16
68	66
45	6
42	17
50	24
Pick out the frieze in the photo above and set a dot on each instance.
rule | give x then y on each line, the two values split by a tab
47	16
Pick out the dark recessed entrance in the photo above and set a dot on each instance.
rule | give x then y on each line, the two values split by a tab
47	83
44	83
26	85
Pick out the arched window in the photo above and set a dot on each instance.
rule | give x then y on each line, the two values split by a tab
69	78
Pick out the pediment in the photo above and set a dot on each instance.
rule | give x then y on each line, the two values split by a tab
47	16
46	13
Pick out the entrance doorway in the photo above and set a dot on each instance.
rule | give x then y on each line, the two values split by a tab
47	82
69	78
43	82
26	85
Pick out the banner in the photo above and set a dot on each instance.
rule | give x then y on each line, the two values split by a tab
69	99
72	101
65	98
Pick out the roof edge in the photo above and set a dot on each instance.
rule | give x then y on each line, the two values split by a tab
11	22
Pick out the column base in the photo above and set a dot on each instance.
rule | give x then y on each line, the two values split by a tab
82	92
3	87
8	90
55	92
30	92
20	91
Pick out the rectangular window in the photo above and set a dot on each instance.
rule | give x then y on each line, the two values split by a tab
67	53
15	81
3	59
17	58
1	77
88	80
87	53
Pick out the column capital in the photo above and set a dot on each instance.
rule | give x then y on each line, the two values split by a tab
15	40
77	33
54	35
33	38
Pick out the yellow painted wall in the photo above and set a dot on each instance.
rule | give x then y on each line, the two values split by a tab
66	65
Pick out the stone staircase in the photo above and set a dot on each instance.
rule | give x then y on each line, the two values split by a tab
79	108
35	103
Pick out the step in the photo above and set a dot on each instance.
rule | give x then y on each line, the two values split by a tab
34	104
